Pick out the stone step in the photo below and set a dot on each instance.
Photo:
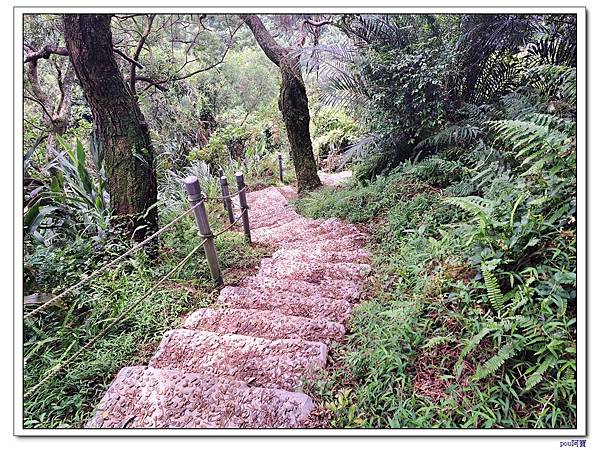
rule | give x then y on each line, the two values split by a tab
339	244
318	254
343	290
278	363
289	192
295	229
144	397
336	225
314	271
264	197
357	236
271	217
309	233
335	178
265	324
285	302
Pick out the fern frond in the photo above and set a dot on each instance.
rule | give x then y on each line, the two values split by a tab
474	342
437	340
343	88
494	294
526	137
452	135
477	206
537	376
492	365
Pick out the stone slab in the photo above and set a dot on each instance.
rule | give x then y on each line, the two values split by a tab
277	363
264	323
286	302
340	290
314	271
142	397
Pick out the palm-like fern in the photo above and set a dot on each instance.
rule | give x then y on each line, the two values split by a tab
479	207
452	135
539	141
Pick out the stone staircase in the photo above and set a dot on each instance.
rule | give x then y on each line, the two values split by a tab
240	365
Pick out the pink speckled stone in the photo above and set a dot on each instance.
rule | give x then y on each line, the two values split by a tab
342	290
144	397
311	254
239	365
285	302
335	179
271	363
265	324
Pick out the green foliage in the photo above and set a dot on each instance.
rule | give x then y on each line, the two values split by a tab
472	321
416	76
462	133
494	294
72	200
52	336
333	131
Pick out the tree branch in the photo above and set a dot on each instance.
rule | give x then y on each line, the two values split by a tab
204	69
45	52
151	82
127	58
33	99
138	51
272	49
318	24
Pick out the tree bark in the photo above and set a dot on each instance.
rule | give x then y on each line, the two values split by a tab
293	104
120	124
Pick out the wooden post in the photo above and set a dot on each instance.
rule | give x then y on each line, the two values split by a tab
222	174
196	198
280	159
239	178
226	198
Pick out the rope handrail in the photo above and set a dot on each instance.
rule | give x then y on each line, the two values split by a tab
132	250
223	197
207	237
124	313
117	319
112	263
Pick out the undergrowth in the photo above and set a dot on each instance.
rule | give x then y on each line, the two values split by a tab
68	399
471	322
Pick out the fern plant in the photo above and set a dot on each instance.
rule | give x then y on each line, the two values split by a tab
494	294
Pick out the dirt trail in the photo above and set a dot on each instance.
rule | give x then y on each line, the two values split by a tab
242	364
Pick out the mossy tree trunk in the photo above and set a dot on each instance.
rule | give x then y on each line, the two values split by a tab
120	124
293	104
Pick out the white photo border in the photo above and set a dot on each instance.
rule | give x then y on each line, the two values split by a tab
582	255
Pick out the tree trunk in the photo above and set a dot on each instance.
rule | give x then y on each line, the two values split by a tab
293	104
121	127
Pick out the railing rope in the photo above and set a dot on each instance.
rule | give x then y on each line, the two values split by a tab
198	207
133	249
197	199
56	369
105	268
